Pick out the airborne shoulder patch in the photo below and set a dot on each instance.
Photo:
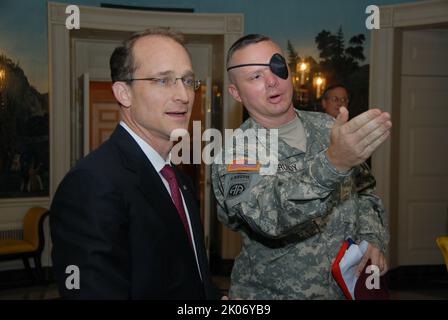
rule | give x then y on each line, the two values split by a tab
236	189
236	184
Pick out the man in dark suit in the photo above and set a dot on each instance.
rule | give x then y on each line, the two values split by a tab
124	216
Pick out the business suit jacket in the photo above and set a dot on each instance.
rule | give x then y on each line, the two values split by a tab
113	218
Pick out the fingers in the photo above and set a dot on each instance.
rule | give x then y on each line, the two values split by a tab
374	145
376	257
375	133
342	117
362	264
382	122
385	267
354	141
359	121
382	265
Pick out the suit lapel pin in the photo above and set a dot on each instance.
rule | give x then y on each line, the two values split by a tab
184	186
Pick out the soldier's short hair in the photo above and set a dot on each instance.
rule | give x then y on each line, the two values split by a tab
244	42
122	63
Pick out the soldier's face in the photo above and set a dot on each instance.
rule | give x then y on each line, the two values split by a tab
265	95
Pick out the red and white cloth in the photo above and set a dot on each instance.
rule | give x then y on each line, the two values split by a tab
344	272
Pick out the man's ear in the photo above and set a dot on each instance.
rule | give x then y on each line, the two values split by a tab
122	93
233	90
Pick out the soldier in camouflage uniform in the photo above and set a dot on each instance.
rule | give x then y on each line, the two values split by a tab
293	222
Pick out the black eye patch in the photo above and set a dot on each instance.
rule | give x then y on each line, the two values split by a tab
277	64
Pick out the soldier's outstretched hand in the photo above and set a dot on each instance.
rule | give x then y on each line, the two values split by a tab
353	142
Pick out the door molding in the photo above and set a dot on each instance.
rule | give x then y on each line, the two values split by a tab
384	85
230	26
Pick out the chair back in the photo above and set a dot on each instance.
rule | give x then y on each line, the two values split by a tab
33	227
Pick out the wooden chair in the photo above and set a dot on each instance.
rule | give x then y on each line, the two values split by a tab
442	242
32	244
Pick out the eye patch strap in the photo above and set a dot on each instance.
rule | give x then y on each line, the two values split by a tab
277	64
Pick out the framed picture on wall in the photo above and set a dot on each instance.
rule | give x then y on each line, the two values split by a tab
24	132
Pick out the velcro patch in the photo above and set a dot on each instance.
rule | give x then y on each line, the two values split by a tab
243	166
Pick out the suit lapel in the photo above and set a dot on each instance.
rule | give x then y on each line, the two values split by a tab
149	181
155	192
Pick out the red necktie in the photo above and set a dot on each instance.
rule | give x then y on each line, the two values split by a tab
168	173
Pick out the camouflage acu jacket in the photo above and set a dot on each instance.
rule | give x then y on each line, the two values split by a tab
270	210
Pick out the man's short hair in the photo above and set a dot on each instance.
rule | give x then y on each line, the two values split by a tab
244	42
335	86
122	64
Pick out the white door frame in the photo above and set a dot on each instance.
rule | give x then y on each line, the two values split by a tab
384	89
230	26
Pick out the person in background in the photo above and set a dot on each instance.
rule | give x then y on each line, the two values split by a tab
333	98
